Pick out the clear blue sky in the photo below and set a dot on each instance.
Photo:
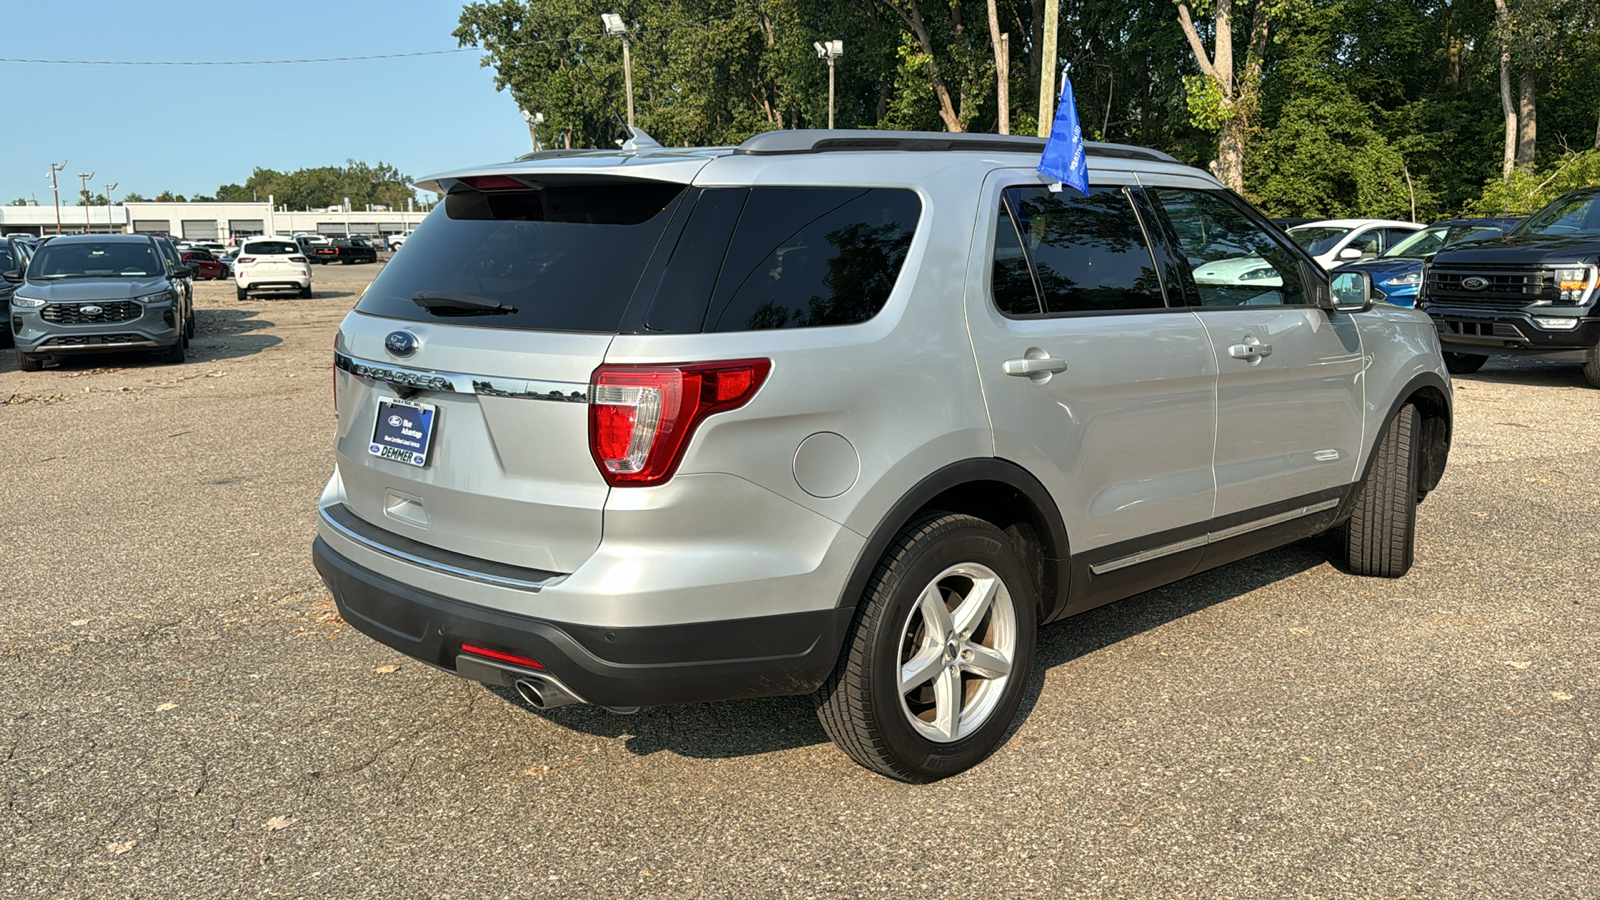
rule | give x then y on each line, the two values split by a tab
188	129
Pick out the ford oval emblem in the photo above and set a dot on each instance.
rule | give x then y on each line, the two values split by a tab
401	343
90	310
1474	282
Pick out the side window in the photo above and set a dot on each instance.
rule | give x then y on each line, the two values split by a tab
1014	292
1234	262
1392	236
808	257
1088	253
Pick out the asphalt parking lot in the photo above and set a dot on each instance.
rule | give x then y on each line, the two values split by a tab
183	713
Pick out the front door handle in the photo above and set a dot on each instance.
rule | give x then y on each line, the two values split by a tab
1032	366
1251	349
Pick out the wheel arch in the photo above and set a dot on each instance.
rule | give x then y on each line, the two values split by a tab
995	490
1430	393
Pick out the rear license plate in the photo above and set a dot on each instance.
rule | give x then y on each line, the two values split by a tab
403	432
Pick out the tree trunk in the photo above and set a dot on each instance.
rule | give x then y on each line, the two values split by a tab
1527	120
1508	108
919	29
1001	74
1238	92
1047	67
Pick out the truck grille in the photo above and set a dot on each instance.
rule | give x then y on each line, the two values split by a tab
1502	288
73	314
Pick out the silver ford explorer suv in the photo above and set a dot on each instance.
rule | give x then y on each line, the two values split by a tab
850	414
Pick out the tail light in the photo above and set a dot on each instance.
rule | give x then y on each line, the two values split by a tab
642	417
297	259
245	259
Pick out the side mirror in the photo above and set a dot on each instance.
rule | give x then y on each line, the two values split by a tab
184	271
1352	291
1350	253
13	275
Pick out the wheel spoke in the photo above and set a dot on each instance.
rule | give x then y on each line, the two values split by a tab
920	669
987	662
935	615
977	603
947	704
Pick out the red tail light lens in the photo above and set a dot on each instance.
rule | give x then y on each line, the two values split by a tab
502	656
642	417
297	259
493	183
246	259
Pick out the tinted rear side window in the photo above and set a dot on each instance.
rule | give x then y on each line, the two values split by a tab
1088	253
565	258
807	257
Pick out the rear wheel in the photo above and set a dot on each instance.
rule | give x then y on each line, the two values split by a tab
243	293
1591	367
1464	363
29	363
936	661
305	292
1380	537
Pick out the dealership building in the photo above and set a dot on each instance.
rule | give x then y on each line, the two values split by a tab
201	221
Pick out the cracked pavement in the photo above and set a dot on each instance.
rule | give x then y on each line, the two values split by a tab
173	678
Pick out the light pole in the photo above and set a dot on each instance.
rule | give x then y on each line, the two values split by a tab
830	51
56	191
534	120
87	227
111	227
613	23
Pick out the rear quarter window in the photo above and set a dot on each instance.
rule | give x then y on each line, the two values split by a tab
809	257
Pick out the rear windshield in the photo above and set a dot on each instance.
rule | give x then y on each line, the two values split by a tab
271	248
564	258
120	259
1317	240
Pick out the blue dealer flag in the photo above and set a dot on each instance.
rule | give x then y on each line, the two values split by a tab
1063	157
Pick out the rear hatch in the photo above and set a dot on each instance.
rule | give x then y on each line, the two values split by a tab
482	336
266	259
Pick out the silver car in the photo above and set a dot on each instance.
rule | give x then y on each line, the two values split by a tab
849	414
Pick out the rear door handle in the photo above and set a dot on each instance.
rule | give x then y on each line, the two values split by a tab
1031	366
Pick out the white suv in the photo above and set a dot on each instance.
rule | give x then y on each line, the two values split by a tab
271	264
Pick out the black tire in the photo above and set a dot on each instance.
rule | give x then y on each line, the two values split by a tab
1463	363
305	292
1591	367
189	326
861	705
174	354
29	363
242	293
1380	538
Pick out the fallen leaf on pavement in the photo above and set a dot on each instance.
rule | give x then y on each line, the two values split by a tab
386	670
279	823
1560	696
166	706
1516	664
117	848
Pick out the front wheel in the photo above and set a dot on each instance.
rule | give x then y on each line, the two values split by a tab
1381	536
1591	367
937	659
1463	363
29	363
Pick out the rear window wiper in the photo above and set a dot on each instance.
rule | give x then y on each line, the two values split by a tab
451	304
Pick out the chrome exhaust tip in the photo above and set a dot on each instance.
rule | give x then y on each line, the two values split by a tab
543	694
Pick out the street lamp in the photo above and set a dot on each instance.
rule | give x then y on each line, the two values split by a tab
87	228
613	23
534	120
830	51
55	190
111	227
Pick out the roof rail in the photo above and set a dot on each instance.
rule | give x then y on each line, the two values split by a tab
778	143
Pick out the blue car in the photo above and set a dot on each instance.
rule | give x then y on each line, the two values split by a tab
1397	274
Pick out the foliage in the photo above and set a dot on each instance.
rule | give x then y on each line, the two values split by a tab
1529	189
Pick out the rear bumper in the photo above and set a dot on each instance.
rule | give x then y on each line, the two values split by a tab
1502	333
790	653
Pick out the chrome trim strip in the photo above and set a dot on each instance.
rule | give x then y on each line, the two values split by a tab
1215	537
457	383
432	565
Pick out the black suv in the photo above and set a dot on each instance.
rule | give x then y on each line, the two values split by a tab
1531	293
